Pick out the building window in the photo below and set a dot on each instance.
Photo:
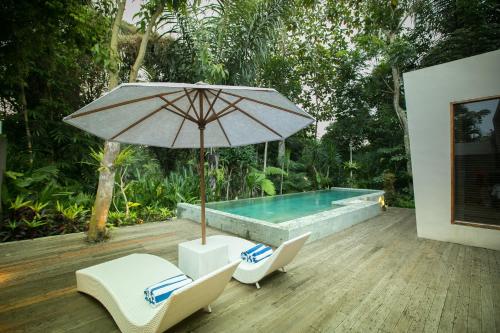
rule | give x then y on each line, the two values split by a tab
476	163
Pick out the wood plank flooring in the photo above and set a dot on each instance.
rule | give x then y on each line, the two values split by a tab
374	277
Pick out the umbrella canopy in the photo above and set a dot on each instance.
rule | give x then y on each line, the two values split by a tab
178	115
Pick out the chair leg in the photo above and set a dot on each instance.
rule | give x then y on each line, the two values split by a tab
283	269
208	309
257	285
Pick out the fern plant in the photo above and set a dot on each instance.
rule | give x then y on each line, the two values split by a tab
257	180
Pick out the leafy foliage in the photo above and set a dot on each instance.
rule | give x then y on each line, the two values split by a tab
333	58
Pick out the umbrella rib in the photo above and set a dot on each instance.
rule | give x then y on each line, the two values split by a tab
228	112
146	117
164	106
236	108
187	116
137	122
180	114
224	131
211	106
171	103
104	108
268	104
178	110
217	118
230	105
178	131
192	102
259	122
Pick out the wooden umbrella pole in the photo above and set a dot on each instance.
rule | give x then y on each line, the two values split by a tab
201	126
202	187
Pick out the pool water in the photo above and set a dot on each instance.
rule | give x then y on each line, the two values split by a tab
280	208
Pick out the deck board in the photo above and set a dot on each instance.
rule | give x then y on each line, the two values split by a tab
376	276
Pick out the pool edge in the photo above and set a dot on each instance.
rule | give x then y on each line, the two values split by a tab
355	210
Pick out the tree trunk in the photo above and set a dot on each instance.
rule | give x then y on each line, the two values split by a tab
113	45
122	190
281	161
24	110
282	178
104	195
3	161
97	227
403	120
144	42
228	184
265	166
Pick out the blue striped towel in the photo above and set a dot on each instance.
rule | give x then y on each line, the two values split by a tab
257	253
162	290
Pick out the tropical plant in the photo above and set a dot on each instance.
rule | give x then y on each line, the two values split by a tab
70	218
257	180
19	203
181	186
38	208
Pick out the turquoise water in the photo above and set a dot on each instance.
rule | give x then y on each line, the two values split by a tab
282	208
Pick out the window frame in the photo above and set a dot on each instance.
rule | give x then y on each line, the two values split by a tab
452	164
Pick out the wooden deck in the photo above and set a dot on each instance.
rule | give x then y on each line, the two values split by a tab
375	276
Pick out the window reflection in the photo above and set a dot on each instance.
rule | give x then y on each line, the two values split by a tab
477	162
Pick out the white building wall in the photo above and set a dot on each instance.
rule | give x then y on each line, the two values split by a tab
429	92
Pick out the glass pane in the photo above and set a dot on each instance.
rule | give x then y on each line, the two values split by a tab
477	161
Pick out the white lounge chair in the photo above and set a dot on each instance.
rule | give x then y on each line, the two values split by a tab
252	273
119	285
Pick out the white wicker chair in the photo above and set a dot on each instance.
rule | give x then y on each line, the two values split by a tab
119	285
252	273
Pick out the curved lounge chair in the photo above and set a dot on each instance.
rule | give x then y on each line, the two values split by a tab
119	285
252	273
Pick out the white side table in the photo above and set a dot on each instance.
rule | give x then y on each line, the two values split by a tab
196	260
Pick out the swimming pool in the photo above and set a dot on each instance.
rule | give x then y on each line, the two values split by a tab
273	220
281	208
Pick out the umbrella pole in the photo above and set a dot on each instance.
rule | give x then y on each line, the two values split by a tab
202	179
202	188
201	126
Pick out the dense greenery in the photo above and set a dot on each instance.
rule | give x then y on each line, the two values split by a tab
337	59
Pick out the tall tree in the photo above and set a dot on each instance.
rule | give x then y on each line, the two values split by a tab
385	35
151	12
312	45
104	195
41	82
453	29
265	165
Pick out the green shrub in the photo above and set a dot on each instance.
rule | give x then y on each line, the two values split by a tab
389	189
404	201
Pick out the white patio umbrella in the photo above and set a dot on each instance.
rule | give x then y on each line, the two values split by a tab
178	115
